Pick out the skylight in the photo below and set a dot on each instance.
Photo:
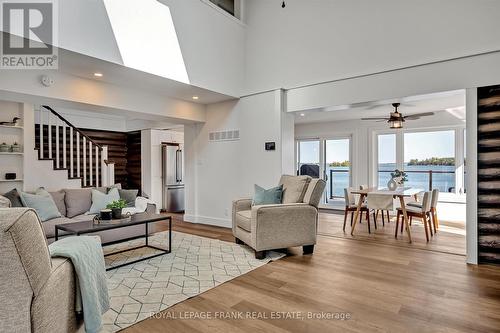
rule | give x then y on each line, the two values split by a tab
146	37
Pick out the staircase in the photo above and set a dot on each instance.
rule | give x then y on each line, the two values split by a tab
59	141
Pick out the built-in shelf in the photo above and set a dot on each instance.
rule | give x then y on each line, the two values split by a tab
11	153
5	126
11	180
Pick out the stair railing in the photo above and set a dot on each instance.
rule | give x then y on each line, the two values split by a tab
80	163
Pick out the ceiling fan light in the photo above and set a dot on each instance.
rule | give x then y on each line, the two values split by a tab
395	124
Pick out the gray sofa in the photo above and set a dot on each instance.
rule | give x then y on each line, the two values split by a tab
74	203
37	292
291	223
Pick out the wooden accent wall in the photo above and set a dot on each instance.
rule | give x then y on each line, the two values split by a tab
489	174
124	156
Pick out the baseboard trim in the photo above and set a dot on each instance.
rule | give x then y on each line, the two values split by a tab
226	223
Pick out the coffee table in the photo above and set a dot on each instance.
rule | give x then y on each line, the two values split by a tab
88	227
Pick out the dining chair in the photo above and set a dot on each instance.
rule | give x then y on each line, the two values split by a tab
380	203
432	214
421	212
351	207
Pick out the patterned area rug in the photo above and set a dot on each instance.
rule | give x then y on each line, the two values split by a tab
195	265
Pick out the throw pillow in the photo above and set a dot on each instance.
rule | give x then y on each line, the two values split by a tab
101	200
78	201
59	201
4	202
42	203
13	196
129	196
267	197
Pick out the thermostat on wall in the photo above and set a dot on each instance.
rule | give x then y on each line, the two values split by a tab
270	145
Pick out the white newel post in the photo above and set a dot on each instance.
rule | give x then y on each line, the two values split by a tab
107	169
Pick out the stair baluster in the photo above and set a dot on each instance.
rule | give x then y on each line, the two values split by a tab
78	154
71	152
85	161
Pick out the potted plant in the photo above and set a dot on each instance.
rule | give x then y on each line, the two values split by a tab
116	208
4	148
398	178
15	148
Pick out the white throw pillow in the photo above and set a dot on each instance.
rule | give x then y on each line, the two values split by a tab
101	200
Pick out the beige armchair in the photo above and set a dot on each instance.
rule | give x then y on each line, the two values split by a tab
37	293
291	223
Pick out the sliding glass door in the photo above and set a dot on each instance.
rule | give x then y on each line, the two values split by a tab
328	159
387	163
337	167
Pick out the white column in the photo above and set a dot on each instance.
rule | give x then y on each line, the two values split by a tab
471	181
84	161
91	182
64	151
96	166
459	160
71	152
40	142
78	154
58	162
49	136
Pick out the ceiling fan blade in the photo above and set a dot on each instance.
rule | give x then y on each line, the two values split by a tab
378	118
418	115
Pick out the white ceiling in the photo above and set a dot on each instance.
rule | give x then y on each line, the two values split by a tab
452	101
85	67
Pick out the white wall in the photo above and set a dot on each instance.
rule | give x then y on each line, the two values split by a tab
322	40
224	171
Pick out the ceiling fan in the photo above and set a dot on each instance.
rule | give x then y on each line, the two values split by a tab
397	119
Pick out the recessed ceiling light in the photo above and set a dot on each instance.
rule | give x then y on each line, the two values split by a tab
195	97
98	74
302	114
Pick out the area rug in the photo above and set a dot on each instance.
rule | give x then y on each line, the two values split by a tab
195	265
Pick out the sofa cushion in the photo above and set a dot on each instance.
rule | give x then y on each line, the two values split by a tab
49	226
15	199
59	201
129	196
42	203
4	202
101	200
314	192
78	201
271	196
244	219
294	188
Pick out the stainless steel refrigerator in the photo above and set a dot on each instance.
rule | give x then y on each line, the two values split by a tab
172	181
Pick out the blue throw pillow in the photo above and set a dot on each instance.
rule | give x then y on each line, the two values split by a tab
42	202
267	197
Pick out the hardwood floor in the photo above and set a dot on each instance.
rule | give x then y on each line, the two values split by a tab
383	288
448	239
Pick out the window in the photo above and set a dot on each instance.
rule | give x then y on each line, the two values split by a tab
386	158
227	5
429	160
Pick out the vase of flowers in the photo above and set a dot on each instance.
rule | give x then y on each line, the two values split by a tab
398	178
116	208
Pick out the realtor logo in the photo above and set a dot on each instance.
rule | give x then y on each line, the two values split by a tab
29	32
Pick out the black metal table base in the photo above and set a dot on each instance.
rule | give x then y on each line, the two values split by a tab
163	252
146	235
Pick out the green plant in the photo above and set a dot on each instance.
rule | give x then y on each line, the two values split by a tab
399	174
117	204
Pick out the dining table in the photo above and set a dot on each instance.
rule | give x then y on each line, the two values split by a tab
399	193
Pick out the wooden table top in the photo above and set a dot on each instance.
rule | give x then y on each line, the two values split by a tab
403	191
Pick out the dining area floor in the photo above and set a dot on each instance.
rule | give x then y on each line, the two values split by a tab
450	237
